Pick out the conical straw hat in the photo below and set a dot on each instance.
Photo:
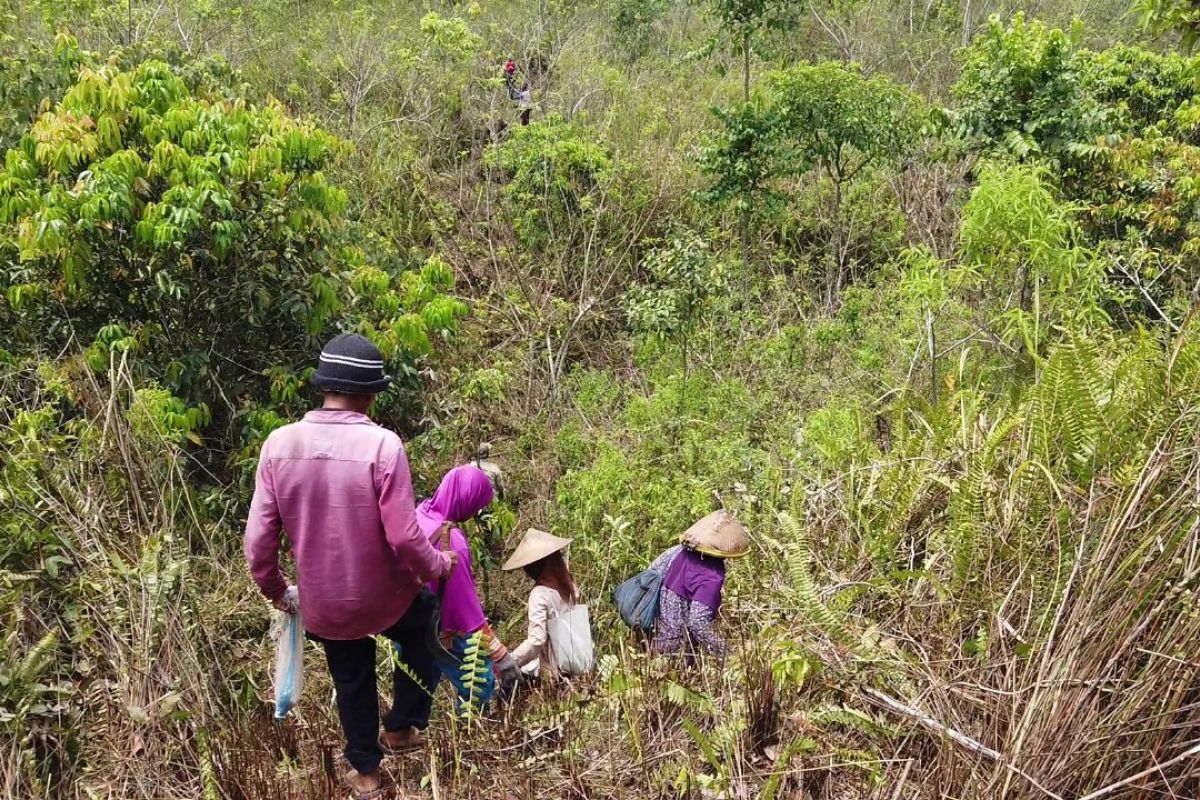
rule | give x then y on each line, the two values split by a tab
535	545
718	534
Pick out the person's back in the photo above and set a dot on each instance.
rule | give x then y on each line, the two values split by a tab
327	471
554	595
545	604
339	486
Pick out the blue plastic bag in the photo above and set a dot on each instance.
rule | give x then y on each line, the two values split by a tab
637	600
288	633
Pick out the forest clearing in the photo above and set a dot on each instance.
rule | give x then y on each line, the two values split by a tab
909	290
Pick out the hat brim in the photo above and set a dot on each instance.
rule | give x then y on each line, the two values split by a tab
710	551
343	386
523	557
719	534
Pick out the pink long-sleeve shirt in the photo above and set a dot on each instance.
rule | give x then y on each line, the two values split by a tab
339	485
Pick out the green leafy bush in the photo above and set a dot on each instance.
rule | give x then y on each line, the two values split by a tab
1020	90
558	179
196	236
1118	128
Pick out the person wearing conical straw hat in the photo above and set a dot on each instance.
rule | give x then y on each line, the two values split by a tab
693	578
554	594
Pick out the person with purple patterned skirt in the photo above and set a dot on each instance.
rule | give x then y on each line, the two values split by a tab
693	577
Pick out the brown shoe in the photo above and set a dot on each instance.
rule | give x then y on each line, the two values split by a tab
364	787
404	740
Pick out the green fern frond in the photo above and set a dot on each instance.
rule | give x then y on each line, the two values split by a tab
684	697
706	745
969	502
400	664
800	558
37	659
474	670
852	719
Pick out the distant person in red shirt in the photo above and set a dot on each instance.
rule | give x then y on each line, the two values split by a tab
339	485
523	97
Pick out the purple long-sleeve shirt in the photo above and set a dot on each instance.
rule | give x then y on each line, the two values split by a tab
339	485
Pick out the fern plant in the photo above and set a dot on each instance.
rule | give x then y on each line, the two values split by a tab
474	674
969	506
800	558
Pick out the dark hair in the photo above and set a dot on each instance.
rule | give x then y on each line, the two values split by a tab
552	571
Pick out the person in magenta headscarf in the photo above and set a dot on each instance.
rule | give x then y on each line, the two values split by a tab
463	493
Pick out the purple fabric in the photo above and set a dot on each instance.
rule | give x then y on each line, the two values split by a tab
697	577
683	624
463	493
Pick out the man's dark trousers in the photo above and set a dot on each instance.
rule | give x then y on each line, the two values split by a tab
352	667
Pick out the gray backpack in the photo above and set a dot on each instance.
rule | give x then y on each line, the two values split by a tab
637	600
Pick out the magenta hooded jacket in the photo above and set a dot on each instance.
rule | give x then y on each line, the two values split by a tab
463	493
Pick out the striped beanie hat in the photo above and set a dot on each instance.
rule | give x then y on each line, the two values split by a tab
350	364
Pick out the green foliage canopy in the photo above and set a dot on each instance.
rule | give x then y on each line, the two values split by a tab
1117	130
198	235
835	118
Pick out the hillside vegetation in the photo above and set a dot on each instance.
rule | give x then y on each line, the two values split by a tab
909	288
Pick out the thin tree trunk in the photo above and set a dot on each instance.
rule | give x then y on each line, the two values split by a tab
746	66
745	226
933	379
834	279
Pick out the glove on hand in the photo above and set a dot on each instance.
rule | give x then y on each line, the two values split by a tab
510	673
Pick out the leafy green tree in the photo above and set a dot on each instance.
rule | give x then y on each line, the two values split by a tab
634	24
682	279
1172	16
743	20
734	154
1020	90
28	75
197	237
740	160
558	177
826	119
578	212
832	119
1021	242
1117	130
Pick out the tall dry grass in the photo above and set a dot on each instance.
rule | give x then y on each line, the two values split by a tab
1062	664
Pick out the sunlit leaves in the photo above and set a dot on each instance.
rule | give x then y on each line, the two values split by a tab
557	173
200	238
1117	128
1166	16
682	276
836	118
1020	88
741	160
1022	240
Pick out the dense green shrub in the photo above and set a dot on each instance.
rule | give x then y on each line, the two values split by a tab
199	238
559	180
1020	90
1118	131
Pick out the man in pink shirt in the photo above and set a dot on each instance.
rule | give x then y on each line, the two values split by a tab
339	485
